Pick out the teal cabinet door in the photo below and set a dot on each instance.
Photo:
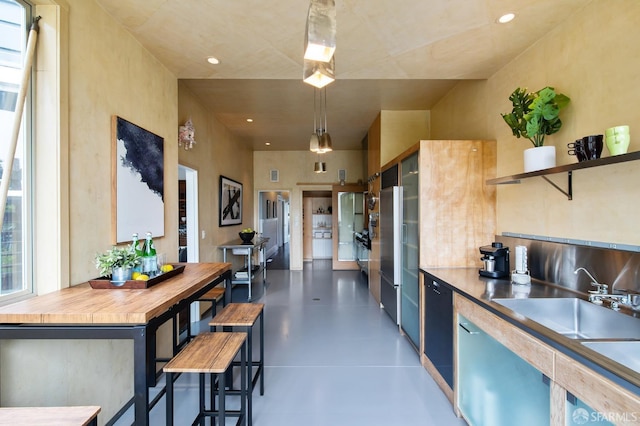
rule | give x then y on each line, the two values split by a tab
497	387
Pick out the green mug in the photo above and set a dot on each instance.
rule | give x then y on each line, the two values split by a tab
617	146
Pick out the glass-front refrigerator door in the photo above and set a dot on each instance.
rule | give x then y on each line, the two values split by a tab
410	311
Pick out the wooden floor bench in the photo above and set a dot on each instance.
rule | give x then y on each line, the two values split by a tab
210	354
244	316
48	416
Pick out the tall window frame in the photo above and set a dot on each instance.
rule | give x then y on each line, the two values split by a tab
17	245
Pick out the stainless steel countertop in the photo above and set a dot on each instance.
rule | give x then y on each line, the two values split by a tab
481	290
257	243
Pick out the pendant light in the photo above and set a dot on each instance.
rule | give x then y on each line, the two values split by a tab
324	143
314	142
320	141
318	74
320	31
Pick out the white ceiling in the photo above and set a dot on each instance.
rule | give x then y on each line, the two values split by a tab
391	55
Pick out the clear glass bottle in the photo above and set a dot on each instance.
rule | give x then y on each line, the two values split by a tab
149	259
135	246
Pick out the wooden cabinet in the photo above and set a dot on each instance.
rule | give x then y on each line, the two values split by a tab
599	393
457	207
568	378
495	386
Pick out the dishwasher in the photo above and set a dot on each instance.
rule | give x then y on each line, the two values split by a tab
438	326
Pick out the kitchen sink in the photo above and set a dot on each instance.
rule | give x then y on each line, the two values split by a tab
625	353
576	318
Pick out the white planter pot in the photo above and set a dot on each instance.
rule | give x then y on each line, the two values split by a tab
538	158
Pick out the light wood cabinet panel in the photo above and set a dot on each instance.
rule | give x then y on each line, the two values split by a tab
598	392
558	405
457	207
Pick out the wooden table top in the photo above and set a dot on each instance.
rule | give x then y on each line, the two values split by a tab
48	416
83	305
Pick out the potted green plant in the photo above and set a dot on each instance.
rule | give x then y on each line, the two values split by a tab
534	116
118	262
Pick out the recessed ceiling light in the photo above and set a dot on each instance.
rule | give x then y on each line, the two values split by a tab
507	17
267	143
213	60
249	120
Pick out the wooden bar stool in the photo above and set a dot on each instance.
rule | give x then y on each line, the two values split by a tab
210	354
245	315
214	296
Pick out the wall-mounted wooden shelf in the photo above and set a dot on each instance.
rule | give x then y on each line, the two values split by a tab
568	168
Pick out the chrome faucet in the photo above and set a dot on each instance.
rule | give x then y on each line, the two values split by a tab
615	300
600	288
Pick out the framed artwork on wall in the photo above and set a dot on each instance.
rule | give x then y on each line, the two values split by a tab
230	202
137	187
268	210
275	209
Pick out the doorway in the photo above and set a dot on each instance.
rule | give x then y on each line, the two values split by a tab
188	243
274	223
317	237
348	201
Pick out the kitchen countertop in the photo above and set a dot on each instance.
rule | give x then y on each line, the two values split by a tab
481	290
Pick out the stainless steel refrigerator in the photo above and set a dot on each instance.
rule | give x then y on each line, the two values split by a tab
391	250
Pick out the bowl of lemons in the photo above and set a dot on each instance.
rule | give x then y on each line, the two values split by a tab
246	235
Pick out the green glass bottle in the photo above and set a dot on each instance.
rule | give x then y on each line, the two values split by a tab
149	259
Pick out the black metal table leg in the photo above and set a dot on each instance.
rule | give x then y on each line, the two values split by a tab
169	408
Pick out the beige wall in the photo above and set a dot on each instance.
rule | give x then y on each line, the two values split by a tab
297	175
576	58
401	130
215	153
109	73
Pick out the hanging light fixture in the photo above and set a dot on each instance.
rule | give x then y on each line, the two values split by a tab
318	74
320	31
324	142
314	142
320	141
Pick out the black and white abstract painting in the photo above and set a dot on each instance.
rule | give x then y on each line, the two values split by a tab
138	174
230	202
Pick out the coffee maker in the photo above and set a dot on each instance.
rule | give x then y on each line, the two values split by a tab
496	261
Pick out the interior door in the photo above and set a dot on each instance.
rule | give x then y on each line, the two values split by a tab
347	218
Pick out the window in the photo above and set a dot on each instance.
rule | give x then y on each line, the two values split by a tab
15	242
